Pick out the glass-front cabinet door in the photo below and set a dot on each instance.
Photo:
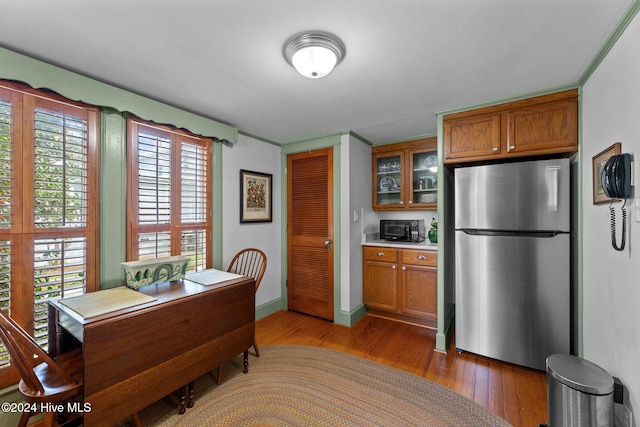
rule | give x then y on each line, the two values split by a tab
405	175
388	183
424	179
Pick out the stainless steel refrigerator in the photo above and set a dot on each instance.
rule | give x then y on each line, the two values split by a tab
513	256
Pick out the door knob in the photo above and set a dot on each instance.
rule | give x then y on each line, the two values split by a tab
327	244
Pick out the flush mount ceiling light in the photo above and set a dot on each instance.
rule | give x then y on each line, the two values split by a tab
314	54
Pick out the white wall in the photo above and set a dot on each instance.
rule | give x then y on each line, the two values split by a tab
611	280
258	156
355	194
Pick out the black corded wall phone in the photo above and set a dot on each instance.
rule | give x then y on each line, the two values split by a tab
616	183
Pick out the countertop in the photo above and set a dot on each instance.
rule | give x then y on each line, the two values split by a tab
374	240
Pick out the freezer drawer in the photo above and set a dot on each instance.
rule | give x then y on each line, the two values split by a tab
513	297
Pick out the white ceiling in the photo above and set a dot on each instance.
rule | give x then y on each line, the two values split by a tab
405	60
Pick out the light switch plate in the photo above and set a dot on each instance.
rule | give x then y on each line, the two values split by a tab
636	208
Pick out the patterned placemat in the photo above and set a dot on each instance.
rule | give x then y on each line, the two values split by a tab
96	303
211	276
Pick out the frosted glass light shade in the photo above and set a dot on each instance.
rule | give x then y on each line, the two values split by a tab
314	62
313	55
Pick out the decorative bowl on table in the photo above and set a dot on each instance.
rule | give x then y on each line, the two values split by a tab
152	271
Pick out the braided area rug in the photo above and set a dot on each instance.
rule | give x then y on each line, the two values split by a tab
311	386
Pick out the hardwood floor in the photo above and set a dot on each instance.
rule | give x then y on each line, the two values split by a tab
519	395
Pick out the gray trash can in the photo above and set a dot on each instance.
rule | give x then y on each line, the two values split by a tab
579	392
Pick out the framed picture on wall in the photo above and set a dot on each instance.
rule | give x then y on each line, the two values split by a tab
599	161
255	196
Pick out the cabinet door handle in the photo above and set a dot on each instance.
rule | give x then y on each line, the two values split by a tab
393	266
404	268
495	149
512	147
422	257
380	254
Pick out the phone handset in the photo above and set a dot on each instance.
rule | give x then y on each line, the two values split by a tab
616	183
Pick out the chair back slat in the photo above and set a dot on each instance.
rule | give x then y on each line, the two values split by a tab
20	361
23	350
250	262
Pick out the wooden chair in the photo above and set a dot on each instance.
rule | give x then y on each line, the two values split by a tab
52	382
249	262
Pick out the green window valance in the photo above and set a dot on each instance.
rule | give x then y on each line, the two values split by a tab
41	75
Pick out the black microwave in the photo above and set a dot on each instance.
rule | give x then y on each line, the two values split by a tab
402	230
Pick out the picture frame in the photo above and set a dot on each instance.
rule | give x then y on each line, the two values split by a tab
599	161
255	197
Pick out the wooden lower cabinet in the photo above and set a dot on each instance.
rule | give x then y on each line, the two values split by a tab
381	289
418	293
401	284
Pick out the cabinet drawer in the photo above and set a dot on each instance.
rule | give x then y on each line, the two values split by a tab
379	253
414	257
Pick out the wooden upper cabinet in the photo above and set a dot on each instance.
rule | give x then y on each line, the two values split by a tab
536	126
388	170
405	175
550	127
475	136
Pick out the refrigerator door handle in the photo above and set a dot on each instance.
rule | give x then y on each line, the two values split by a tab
553	187
543	234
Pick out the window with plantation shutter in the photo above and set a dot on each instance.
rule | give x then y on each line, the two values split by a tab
169	194
61	155
5	213
48	206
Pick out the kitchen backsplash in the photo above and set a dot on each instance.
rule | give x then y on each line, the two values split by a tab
370	219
